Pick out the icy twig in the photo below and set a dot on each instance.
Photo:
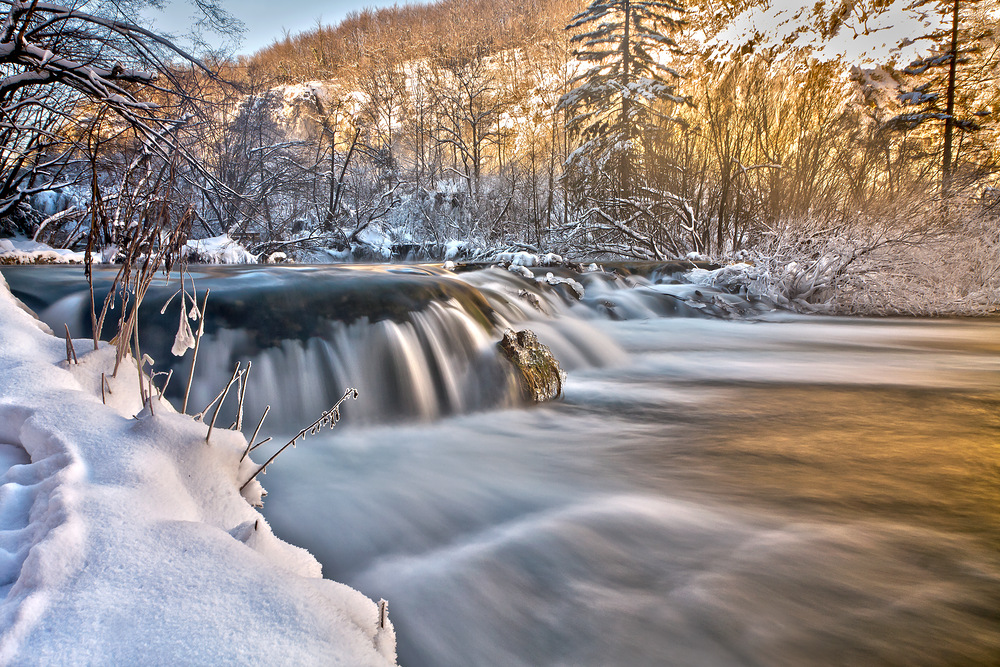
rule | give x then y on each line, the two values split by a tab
70	351
262	442
194	357
328	418
221	399
241	394
250	446
383	613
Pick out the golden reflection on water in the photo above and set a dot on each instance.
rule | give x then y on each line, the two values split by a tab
890	422
930	457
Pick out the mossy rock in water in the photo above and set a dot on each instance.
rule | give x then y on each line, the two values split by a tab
541	378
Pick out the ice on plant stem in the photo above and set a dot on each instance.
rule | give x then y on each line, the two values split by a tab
184	340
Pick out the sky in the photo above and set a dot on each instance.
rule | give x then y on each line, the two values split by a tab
265	20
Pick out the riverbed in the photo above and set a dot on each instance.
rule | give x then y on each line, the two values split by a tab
807	492
760	489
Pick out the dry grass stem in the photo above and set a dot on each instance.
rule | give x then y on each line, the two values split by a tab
250	446
70	351
141	361
194	357
329	418
166	382
220	400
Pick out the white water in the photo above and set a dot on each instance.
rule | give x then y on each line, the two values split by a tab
810	492
421	369
439	361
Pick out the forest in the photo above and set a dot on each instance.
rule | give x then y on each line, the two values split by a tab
853	180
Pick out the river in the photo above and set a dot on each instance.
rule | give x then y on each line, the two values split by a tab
762	490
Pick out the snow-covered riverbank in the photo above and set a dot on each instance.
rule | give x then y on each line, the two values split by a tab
124	539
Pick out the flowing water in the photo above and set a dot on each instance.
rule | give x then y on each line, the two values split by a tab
755	490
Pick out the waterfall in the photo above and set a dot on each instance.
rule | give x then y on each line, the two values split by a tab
418	342
439	361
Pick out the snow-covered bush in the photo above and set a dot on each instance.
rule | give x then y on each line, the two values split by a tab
217	250
14	251
907	262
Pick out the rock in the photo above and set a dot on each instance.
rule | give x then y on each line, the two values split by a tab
541	378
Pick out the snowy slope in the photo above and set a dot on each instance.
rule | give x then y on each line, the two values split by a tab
125	540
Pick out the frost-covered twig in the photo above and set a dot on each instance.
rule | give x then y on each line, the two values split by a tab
329	418
166	382
250	445
219	400
244	380
70	351
262	442
194	357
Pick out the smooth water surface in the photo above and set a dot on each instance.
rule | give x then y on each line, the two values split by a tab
758	490
803	492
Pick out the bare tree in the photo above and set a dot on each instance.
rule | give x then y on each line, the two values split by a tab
68	74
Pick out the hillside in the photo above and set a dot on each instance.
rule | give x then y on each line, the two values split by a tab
409	32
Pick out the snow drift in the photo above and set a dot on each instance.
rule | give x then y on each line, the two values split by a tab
124	538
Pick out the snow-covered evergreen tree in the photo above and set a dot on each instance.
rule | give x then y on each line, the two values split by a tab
954	84
616	97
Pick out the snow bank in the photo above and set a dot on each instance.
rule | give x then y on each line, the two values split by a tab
218	250
734	278
528	259
124	538
20	251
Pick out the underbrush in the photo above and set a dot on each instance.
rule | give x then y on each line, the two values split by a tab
909	260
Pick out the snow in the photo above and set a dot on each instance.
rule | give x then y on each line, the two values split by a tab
277	258
50	202
20	251
521	270
218	250
124	538
917	97
453	249
576	287
528	259
828	32
729	277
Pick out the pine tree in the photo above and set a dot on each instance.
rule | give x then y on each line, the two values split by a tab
952	79
616	99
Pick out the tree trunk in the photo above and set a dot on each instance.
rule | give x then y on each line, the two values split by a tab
626	171
949	123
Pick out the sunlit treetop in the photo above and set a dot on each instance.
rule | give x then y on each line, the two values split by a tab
859	32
